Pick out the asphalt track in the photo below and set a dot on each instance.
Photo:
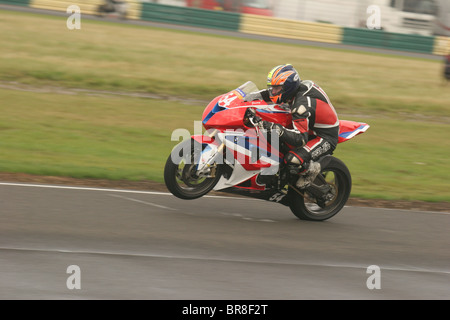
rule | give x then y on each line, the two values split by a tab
153	246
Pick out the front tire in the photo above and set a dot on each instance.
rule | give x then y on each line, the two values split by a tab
337	176
181	176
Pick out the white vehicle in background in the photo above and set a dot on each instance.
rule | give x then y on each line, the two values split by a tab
407	16
400	16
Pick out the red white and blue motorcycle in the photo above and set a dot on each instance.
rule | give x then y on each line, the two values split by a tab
234	156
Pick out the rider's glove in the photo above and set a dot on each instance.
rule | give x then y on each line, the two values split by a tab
251	115
285	106
270	127
264	125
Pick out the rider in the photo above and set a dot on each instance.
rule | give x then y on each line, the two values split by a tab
315	122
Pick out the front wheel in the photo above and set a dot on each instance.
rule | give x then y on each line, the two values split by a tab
336	179
181	176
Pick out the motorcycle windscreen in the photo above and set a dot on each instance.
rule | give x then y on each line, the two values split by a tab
350	129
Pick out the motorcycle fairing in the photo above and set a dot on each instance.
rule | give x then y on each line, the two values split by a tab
350	129
247	159
226	112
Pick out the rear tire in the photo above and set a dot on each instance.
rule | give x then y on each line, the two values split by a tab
181	179
338	177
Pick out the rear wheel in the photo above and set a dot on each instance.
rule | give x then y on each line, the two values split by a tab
335	178
181	175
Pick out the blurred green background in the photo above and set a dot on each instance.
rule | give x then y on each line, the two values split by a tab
103	101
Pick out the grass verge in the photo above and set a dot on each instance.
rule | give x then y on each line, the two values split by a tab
118	137
404	155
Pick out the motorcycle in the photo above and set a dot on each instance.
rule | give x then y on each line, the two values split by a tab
236	157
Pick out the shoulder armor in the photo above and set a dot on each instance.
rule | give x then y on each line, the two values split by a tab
302	106
308	84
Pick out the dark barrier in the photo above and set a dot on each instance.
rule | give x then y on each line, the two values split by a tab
24	3
388	40
190	16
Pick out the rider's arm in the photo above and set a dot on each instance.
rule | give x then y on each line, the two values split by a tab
294	137
301	111
266	95
298	136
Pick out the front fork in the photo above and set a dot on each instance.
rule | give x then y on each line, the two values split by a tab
206	166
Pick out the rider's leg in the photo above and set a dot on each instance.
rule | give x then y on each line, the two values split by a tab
303	160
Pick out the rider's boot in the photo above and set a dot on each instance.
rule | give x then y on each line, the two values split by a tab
308	176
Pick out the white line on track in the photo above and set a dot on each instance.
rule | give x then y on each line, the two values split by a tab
238	215
201	258
168	194
144	202
103	189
